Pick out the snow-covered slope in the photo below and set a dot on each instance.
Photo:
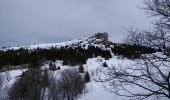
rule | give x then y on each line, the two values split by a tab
84	42
95	89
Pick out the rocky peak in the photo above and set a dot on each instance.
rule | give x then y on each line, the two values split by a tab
101	37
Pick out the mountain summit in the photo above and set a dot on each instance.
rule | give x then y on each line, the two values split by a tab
96	39
102	37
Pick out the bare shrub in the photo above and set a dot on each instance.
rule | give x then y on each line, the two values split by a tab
30	86
1	82
68	86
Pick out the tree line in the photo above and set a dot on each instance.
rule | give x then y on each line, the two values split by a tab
133	51
70	56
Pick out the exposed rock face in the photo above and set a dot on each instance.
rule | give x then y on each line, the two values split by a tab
101	37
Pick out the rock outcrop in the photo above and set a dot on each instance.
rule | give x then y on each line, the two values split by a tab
101	37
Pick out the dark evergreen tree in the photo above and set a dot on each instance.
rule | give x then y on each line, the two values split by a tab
45	80
58	68
81	69
86	77
105	64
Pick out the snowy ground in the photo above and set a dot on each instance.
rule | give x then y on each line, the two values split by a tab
95	90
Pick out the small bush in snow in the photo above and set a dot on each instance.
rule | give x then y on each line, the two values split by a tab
52	66
105	64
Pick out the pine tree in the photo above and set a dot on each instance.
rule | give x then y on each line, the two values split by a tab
81	69
45	81
105	64
86	77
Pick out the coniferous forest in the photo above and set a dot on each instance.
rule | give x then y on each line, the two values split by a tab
70	56
132	51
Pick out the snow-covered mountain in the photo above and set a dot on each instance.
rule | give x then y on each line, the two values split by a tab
98	39
92	65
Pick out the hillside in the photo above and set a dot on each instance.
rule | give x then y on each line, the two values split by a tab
72	52
50	63
96	39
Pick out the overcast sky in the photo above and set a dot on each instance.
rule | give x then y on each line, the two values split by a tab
24	22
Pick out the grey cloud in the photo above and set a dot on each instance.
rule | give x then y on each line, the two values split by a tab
23	22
